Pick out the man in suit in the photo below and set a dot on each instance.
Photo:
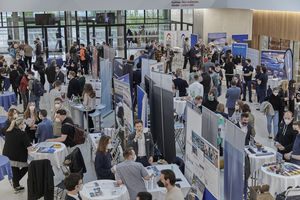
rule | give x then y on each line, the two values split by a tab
244	125
142	143
232	95
73	183
74	86
185	53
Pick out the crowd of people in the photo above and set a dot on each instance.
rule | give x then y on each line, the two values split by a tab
208	70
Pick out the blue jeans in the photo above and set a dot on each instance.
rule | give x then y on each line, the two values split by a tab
219	89
262	94
36	100
143	160
275	119
247	84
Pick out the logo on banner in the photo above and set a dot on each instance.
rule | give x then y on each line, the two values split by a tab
169	38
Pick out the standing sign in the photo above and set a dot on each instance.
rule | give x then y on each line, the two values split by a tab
181	35
274	61
142	105
253	55
194	40
288	64
239	49
170	37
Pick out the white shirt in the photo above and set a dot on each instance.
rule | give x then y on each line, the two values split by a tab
244	128
54	93
141	146
195	89
174	194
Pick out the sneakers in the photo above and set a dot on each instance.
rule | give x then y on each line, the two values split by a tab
270	137
19	189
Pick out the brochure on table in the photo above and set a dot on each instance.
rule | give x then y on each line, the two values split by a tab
202	158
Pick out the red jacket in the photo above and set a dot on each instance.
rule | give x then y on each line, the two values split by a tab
23	84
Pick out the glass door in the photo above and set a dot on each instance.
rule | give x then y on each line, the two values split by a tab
55	41
97	34
116	39
33	34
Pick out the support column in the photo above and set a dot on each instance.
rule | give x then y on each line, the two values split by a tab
120	34
69	29
15	19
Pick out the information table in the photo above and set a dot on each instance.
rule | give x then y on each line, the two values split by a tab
159	193
104	190
277	182
7	99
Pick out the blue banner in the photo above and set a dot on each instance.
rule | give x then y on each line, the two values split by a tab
194	40
239	38
124	78
142	105
106	77
239	49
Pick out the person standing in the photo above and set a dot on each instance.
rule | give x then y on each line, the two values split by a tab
276	103
247	79
74	52
81	80
229	70
262	84
33	96
208	64
211	102
194	56
168	179
24	91
206	82
50	72
103	167
73	184
294	155
180	84
196	88
83	59
142	143
232	95
59	75
169	58
220	78
32	120
74	86
132	174
44	129
286	135
215	79
40	67
56	122
38	47
186	50
292	95
54	93
16	149
28	56
15	78
89	101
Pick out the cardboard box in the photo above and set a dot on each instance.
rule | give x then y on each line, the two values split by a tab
260	193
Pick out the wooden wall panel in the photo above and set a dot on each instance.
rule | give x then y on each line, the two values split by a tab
278	24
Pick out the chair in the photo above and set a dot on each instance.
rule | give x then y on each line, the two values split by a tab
60	187
75	162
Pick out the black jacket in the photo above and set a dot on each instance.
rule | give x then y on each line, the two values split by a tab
206	81
15	147
286	136
276	102
249	133
73	88
60	76
77	163
40	65
40	180
50	72
211	105
14	78
71	198
148	142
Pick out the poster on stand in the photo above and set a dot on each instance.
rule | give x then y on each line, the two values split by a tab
239	49
106	80
218	39
142	105
274	61
202	158
253	55
239	38
288	63
181	35
95	64
146	63
170	37
194	40
162	80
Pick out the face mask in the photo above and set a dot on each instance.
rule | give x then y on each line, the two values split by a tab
31	108
134	159
57	120
15	116
109	146
245	123
287	121
56	71
237	107
209	98
57	106
275	94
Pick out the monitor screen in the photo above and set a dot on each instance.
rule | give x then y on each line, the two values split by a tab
44	19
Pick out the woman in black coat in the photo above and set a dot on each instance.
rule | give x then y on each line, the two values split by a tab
103	167
15	148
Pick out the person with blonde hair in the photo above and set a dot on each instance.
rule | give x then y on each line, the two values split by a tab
103	167
15	148
11	115
89	101
221	110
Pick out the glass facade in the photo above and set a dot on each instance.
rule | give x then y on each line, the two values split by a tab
127	30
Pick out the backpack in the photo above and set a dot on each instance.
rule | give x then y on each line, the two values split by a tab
38	88
79	136
86	55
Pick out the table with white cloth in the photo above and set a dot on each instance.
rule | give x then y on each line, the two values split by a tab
56	158
108	191
179	105
258	159
159	193
7	99
2	121
277	182
274	82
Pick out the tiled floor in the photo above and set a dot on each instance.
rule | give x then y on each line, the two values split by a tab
7	192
